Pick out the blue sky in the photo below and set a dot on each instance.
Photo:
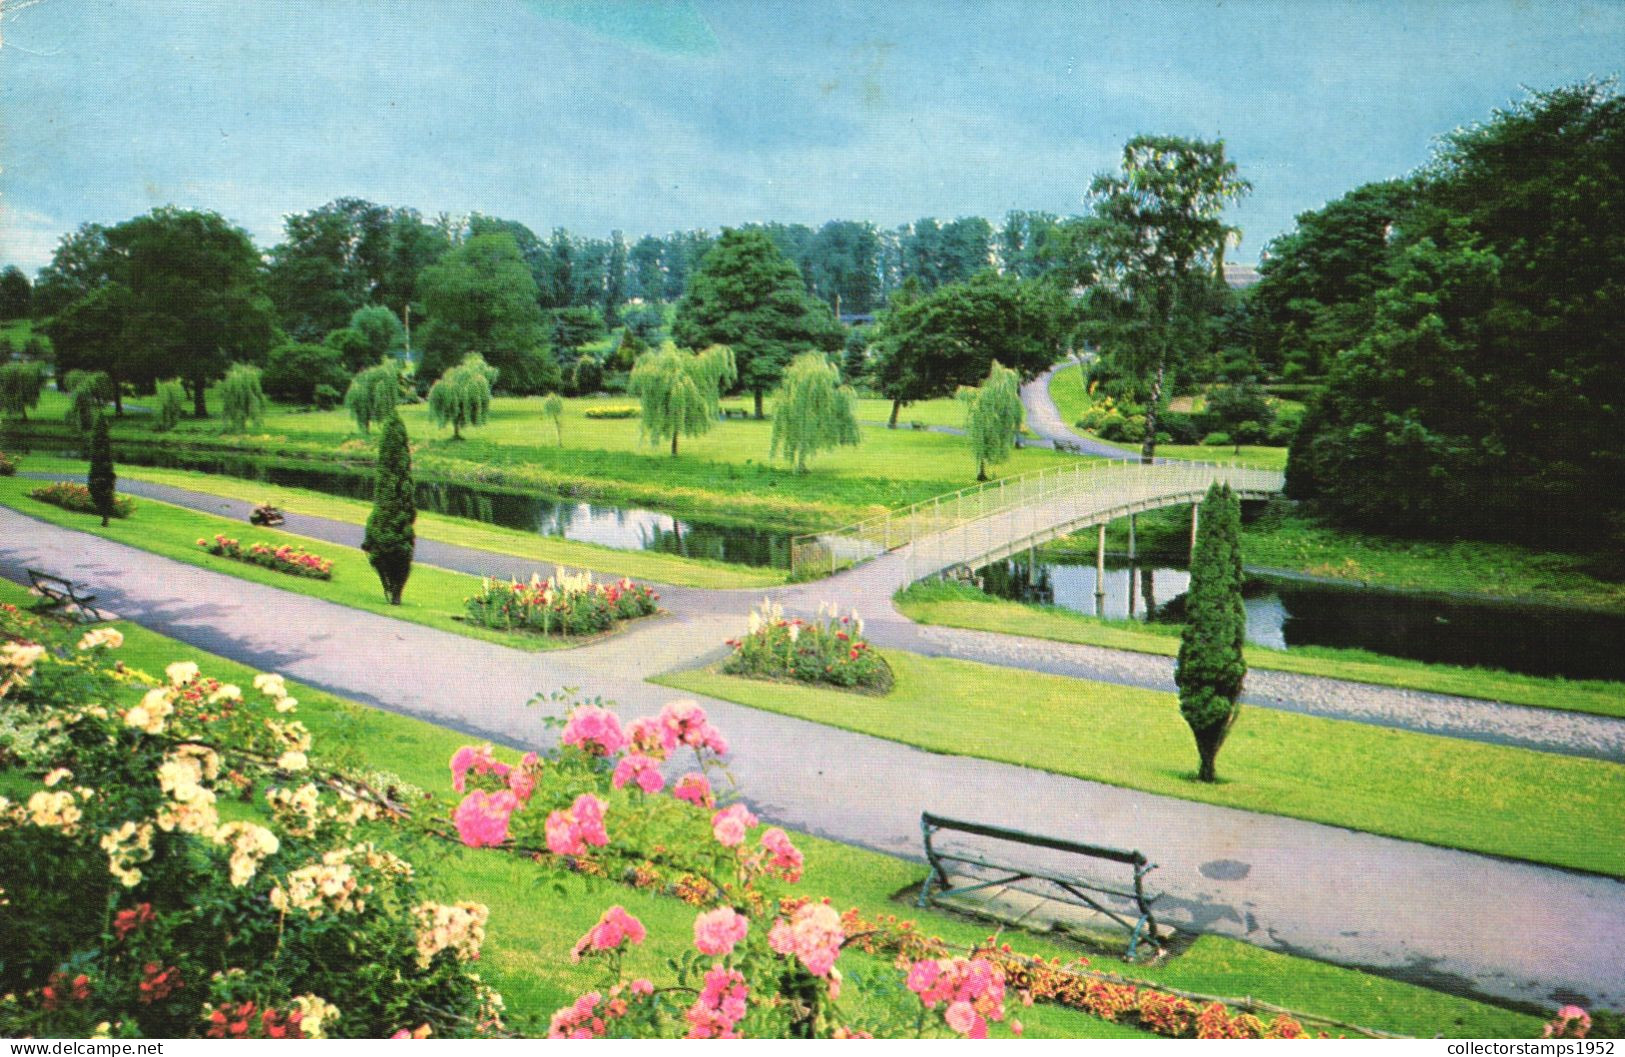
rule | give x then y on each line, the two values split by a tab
595	115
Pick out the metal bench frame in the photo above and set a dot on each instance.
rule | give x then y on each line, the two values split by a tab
937	885
64	592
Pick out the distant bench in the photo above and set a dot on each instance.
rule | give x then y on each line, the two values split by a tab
735	412
61	592
938	885
1069	446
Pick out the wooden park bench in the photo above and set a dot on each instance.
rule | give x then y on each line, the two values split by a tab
735	412
60	592
985	873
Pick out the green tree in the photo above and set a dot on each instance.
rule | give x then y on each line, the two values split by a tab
380	329
748	296
1159	251
332	261
170	396
90	392
20	387
679	390
242	401
373	394
1241	409
16	293
615	279
294	372
812	410
553	411
587	376
993	418
481	298
1211	665
462	396
102	480
390	539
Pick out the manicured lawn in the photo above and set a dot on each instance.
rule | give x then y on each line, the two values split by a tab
434	597
640	565
1066	389
1517	803
961	606
534	923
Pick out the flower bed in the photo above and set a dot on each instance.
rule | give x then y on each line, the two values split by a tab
560	605
76	497
284	559
612	411
830	649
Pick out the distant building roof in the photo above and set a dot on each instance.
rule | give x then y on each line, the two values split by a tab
1240	276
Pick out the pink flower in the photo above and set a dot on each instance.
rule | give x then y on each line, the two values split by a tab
722	1005
479	760
729	824
695	788
686	723
813	934
614	928
522	780
482	818
578	1020
635	767
961	1017
569	832
595	731
651	737
643	988
716	932
972	989
786	858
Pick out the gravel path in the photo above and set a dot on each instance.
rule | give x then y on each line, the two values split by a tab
1044	419
1466	922
1548	730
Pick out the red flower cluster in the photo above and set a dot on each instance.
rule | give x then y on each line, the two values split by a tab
285	558
61	989
247	1020
128	921
157	985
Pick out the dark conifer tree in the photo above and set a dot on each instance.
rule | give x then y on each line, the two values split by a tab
1211	664
390	538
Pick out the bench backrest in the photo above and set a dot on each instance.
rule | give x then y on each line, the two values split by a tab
934	822
37	576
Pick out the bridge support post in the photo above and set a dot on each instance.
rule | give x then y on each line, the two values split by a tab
1131	551
1196	515
1100	572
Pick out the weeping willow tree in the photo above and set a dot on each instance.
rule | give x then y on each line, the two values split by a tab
553	411
462	396
678	390
373	394
993	417
812	410
242	401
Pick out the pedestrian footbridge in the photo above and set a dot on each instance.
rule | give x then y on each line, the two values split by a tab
975	526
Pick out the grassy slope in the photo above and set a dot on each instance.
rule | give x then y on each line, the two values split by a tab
1066	389
1527	805
961	606
641	565
532	927
433	596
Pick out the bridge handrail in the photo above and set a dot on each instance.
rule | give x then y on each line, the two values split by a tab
820	552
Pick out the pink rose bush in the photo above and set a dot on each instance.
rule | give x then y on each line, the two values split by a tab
970	992
717	932
563	604
284	558
830	649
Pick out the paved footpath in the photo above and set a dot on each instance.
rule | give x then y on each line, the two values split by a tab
869	590
1443	917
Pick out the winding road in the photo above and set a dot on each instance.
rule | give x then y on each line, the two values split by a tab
1458	920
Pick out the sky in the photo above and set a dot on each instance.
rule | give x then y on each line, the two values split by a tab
651	117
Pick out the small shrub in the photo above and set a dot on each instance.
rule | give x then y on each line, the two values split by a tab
7	467
1180	427
829	650
284	559
559	605
1216	440
1115	427
170	397
612	411
76	497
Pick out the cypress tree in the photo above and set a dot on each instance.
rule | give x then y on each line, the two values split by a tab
1211	665
102	479
389	538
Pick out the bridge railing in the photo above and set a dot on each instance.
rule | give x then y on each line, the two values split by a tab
950	529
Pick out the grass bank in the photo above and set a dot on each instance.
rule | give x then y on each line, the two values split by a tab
434	597
1539	807
963	606
640	565
534	922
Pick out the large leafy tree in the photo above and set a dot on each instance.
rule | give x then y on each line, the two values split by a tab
748	296
327	265
812	410
481	298
1159	246
16	293
678	390
20	388
1211	666
932	345
390	539
171	291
